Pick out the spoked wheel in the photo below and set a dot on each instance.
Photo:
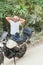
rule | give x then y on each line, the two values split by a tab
22	51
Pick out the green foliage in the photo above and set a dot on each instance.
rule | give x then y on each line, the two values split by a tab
20	10
31	10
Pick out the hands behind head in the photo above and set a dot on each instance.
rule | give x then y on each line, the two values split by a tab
15	19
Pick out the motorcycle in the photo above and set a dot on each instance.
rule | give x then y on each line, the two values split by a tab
15	48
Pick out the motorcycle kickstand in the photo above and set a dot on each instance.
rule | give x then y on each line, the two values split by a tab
14	61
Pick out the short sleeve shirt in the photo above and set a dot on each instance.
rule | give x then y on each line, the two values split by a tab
14	27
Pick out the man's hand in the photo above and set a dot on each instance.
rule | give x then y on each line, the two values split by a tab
8	18
22	20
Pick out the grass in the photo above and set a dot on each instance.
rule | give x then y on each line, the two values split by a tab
36	37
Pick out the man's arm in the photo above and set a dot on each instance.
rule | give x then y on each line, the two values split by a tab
22	21
8	18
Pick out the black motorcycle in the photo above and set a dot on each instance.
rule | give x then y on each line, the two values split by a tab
15	48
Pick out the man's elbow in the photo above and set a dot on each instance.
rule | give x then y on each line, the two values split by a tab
23	22
7	18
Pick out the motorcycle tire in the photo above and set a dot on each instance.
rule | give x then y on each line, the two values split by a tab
22	51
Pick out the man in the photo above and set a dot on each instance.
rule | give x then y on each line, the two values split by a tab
15	22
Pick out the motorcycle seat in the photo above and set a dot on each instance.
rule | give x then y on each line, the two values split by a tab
21	40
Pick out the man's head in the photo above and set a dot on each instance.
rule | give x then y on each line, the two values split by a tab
15	18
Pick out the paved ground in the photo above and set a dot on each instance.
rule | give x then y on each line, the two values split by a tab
33	56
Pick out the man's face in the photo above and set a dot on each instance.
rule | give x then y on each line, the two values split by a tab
15	19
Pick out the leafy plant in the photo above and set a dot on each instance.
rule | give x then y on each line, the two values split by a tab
31	10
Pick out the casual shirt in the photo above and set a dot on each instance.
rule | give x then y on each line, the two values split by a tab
14	27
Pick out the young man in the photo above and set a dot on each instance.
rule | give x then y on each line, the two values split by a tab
15	22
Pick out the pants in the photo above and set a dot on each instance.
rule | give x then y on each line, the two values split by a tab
26	33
